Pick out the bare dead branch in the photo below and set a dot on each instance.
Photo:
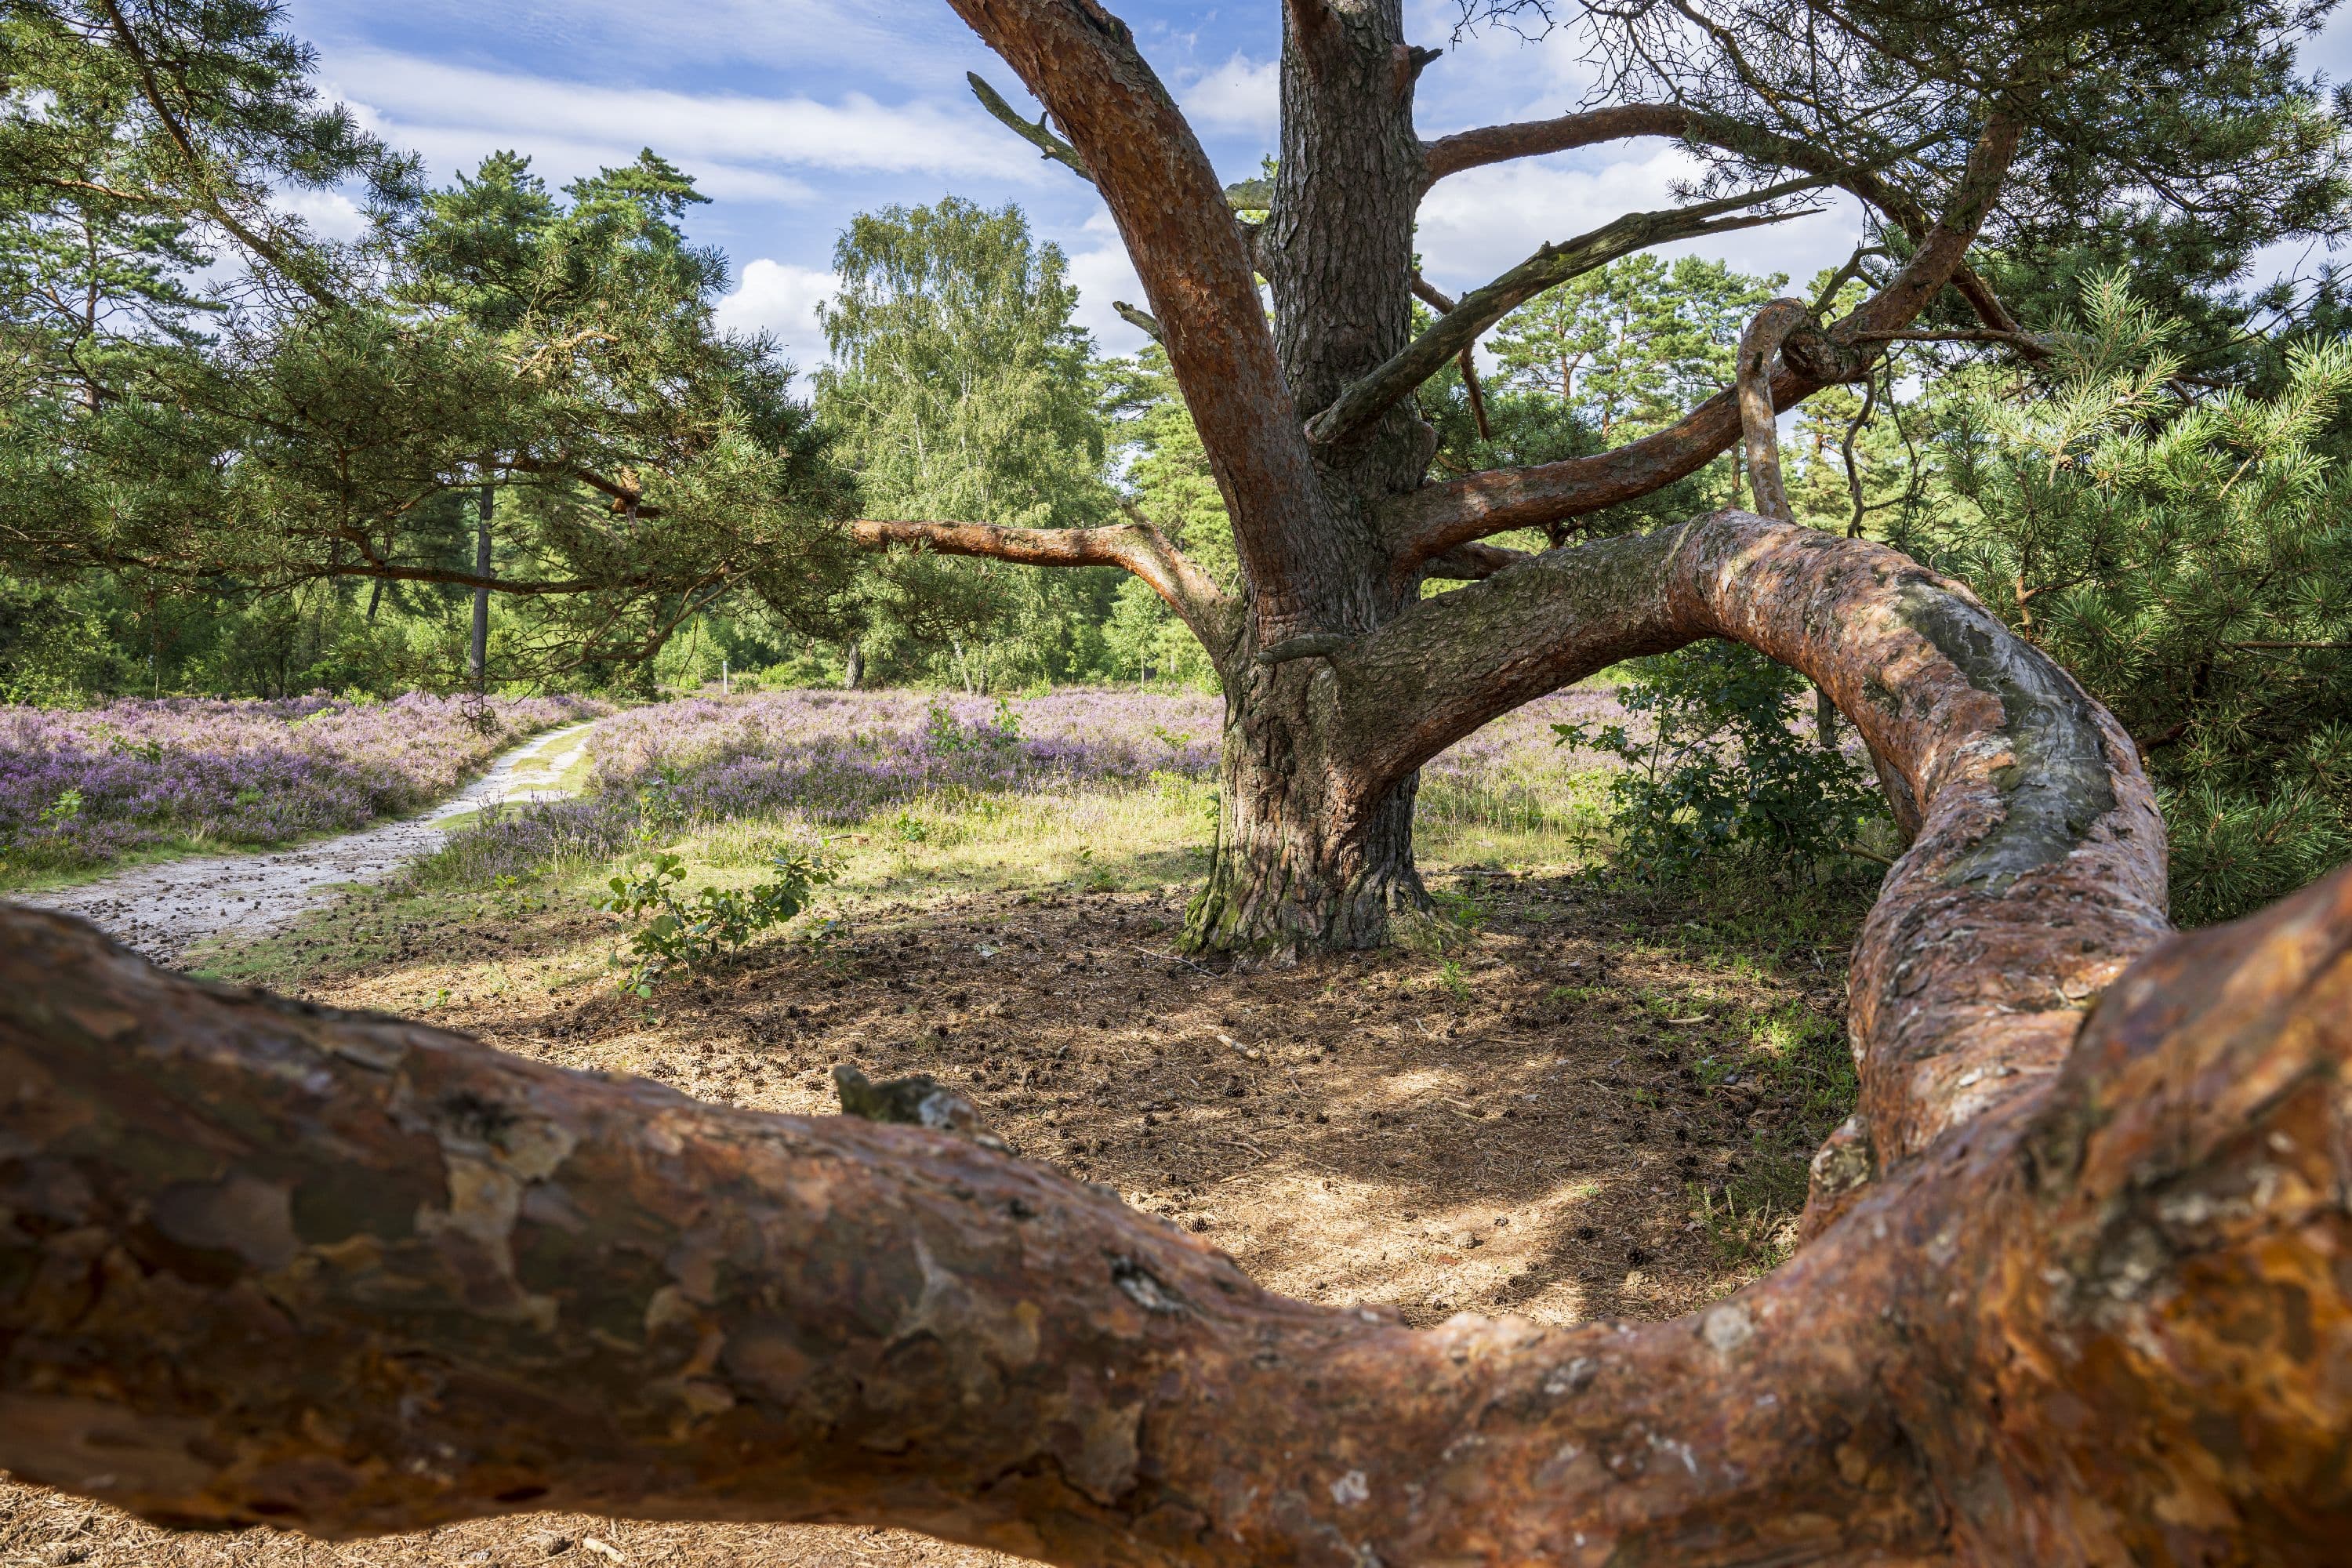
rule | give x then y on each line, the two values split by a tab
1467	361
1039	135
1142	320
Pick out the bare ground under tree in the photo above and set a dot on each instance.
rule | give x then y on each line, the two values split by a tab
1604	1108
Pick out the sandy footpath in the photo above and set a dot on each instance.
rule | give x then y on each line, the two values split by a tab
162	911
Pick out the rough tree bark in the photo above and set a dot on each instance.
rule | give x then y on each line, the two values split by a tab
2076	1288
1309	425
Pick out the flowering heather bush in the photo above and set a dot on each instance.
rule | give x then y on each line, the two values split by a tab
79	788
837	757
1514	772
826	759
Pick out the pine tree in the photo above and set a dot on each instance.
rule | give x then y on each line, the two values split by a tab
2188	555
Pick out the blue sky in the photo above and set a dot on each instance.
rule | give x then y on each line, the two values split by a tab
793	114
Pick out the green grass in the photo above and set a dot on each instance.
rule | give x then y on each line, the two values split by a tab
22	876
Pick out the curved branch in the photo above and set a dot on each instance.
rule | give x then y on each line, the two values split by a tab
1938	257
1364	401
1759	345
1137	547
2024	781
352	1274
1533	138
1434	519
1744	139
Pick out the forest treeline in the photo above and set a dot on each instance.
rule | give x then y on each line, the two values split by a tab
498	435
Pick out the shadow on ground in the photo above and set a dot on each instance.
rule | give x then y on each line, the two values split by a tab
1598	1105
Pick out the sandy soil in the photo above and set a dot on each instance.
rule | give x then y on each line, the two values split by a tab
1600	1105
165	910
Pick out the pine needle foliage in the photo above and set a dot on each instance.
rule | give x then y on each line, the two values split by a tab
2188	555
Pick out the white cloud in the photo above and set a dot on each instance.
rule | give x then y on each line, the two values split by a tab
1477	225
1103	277
330	214
780	298
646	36
736	143
1243	94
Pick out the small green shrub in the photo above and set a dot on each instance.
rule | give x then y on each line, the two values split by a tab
2185	555
945	732
673	932
1723	768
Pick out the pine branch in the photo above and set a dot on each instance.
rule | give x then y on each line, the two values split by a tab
199	168
1368	399
1139	547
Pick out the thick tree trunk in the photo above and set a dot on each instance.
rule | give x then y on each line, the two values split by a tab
1313	851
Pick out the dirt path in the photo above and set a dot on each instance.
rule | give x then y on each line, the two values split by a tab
162	911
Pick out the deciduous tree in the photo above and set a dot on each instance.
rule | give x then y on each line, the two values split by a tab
962	388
